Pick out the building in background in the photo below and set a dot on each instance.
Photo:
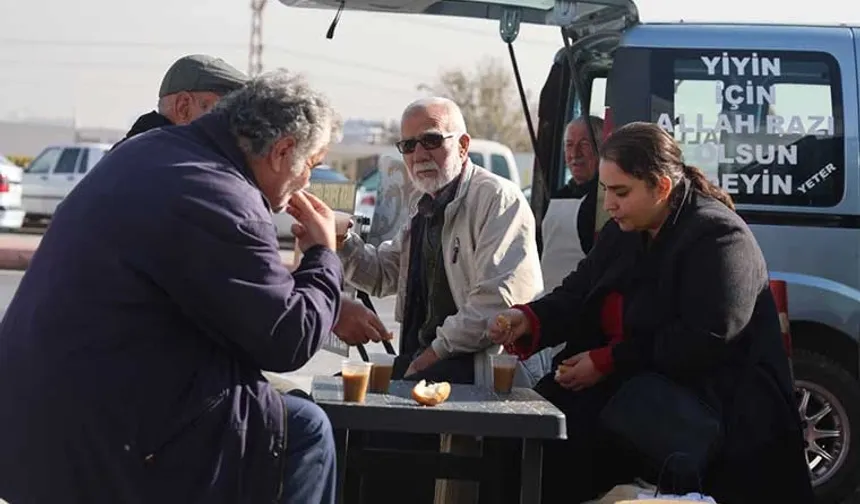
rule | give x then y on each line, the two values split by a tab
28	138
373	132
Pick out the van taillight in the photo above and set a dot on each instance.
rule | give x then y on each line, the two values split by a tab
4	184
779	290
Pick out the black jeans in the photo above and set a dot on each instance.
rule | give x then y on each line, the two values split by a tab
775	472
589	462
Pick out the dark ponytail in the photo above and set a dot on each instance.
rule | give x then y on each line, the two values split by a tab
704	186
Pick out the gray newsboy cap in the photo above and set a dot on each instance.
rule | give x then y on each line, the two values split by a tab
201	72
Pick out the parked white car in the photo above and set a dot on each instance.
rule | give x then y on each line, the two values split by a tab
365	194
11	206
54	172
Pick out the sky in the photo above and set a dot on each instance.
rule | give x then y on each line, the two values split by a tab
99	63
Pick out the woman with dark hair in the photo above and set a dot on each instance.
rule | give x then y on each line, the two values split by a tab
675	287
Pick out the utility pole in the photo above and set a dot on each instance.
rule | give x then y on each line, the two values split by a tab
255	56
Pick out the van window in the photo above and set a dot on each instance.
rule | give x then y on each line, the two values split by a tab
500	166
598	97
477	159
766	126
68	161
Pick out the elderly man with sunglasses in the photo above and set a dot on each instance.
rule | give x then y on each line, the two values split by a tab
468	250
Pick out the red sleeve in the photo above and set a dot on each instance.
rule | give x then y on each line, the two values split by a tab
526	346
612	325
602	359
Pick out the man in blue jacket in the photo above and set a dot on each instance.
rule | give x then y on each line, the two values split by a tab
131	354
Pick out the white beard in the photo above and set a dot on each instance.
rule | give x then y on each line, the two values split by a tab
444	175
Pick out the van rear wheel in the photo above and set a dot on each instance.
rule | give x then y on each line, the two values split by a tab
829	405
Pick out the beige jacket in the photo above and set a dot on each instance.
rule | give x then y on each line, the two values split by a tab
490	256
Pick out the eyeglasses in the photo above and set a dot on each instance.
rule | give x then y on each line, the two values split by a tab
429	141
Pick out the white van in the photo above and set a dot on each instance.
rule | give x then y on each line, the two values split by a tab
771	112
496	157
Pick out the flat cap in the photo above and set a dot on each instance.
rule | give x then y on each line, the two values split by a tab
201	72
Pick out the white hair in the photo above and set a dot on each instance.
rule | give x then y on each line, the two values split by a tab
453	114
278	104
164	105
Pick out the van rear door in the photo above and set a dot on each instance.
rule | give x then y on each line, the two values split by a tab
596	14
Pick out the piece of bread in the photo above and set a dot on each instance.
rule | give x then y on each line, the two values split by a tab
431	394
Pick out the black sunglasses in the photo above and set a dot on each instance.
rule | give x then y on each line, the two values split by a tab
429	141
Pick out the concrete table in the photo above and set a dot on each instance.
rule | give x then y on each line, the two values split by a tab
470	411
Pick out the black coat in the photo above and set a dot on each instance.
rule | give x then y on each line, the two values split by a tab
144	123
698	309
131	354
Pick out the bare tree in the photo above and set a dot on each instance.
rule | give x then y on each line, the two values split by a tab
490	102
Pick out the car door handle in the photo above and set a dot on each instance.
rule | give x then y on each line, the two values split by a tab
44	177
70	177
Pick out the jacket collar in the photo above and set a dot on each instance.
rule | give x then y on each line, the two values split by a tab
581	190
147	122
682	200
144	123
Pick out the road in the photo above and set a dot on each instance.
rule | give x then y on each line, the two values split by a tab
323	362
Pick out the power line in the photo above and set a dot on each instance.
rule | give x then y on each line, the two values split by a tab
327	78
236	47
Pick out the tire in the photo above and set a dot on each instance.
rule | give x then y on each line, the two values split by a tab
829	403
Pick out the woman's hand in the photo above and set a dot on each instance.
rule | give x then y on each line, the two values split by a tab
577	372
508	326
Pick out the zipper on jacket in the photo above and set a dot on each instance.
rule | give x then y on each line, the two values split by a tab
211	405
283	456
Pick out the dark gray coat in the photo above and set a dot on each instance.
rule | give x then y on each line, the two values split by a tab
130	356
697	307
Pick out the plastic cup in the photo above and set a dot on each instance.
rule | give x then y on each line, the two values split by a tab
356	376
342	223
504	368
380	373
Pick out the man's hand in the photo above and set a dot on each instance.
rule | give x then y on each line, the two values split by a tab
358	325
426	359
315	221
578	372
